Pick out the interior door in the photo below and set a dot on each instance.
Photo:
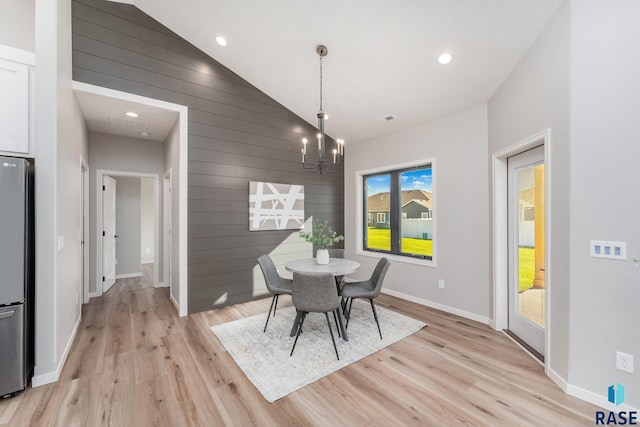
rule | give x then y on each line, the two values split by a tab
108	232
527	291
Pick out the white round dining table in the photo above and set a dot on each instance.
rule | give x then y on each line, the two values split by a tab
336	266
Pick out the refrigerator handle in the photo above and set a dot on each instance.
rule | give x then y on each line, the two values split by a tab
7	314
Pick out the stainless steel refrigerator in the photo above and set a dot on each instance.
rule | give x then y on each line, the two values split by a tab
16	275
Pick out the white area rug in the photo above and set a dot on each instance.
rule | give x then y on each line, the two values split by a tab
264	357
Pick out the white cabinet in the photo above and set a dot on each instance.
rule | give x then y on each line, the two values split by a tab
14	107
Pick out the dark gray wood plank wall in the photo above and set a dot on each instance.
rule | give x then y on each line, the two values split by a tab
236	132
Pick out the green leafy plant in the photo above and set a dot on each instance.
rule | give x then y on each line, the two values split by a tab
322	235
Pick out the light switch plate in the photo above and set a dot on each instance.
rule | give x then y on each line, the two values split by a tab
609	250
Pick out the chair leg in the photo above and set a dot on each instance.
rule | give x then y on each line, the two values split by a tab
349	313
375	316
335	319
332	337
341	326
269	314
276	305
304	314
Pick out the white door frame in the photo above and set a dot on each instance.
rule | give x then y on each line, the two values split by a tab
166	234
181	176
84	233
100	173
500	236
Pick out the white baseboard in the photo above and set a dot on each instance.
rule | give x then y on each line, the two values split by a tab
438	306
147	262
588	396
94	294
128	275
174	302
52	377
161	285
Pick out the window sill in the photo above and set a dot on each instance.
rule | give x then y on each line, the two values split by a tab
398	258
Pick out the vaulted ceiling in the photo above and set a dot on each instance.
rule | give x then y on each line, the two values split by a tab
382	55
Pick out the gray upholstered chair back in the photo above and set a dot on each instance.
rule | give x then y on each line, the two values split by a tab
336	253
315	292
271	276
378	276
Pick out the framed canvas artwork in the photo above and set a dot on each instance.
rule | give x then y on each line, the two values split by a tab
275	206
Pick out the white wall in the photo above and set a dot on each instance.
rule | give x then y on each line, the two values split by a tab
535	97
605	295
458	143
128	226
72	144
147	212
111	152
60	138
172	161
17	27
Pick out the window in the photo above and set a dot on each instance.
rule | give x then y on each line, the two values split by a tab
403	202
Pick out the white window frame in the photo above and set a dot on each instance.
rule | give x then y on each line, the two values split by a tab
359	175
381	215
424	215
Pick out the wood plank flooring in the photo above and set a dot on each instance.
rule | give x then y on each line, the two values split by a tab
135	363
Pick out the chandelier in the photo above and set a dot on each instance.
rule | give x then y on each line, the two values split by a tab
323	164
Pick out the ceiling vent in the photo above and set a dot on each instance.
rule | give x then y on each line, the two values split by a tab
387	118
127	124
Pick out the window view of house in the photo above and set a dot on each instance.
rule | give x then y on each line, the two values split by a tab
400	203
378	236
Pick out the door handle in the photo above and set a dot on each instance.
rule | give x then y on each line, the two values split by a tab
115	235
7	314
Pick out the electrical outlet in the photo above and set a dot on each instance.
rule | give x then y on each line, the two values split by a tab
441	283
624	362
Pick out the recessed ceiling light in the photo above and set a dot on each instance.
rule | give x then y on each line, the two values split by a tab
444	59
131	114
221	41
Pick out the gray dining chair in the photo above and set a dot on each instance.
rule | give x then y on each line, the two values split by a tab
276	284
336	253
316	293
369	289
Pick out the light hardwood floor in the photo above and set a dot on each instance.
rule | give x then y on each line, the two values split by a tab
135	363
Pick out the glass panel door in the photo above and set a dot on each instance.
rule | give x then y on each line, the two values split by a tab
527	291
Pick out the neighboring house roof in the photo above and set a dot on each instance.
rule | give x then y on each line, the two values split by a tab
422	203
381	202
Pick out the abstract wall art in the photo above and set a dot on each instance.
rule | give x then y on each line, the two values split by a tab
275	206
